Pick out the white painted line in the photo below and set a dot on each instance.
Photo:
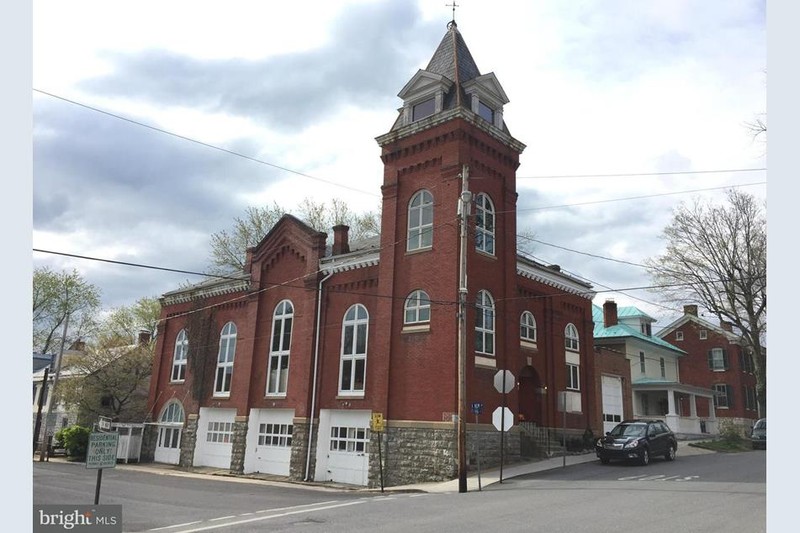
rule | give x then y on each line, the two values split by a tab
176	525
295	506
222	518
257	519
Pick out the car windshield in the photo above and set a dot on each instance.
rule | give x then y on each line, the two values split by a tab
629	430
761	424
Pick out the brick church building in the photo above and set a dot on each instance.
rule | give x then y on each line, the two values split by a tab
279	369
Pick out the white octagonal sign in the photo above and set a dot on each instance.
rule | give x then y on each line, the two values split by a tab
500	421
509	381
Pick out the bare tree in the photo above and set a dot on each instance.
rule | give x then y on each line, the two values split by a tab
717	256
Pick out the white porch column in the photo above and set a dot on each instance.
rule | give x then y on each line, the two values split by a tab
712	413
671	402
693	406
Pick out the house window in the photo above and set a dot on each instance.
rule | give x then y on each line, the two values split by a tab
527	327
573	375
352	368
571	340
746	362
484	224
678	335
420	221
641	362
663	365
278	371
279	435
750	401
484	323
417	308
723	395
486	112
423	109
703	334
179	357
227	350
347	439
717	359
220	432
646	329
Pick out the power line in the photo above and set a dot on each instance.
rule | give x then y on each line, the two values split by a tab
636	174
207	145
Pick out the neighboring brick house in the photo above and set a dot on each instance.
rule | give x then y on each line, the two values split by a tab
280	368
716	359
655	383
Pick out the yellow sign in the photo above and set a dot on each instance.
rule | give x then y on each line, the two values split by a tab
377	423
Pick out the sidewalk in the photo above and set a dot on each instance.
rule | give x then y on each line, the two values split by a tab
487	477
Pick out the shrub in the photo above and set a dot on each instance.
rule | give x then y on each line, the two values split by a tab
730	432
75	440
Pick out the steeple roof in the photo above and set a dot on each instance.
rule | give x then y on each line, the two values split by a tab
452	58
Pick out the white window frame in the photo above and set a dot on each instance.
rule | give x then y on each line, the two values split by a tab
572	339
178	373
417	309
573	377
703	334
642	363
663	365
349	439
227	352
678	335
356	322
420	221
527	327
171	424
484	323
219	432
718	360
275	435
280	348
721	395
485	224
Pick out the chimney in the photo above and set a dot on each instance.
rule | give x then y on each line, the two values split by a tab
340	244
610	313
727	326
690	310
144	336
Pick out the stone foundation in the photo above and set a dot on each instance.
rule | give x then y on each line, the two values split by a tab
297	462
188	441
238	444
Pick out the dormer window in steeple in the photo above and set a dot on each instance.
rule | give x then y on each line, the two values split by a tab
486	112
423	109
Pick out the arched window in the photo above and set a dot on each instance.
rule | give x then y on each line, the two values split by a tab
484	323
484	224
417	308
278	371
571	337
179	357
170	425
420	221
527	327
172	414
352	368
227	351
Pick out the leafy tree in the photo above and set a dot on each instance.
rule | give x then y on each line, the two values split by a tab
229	247
115	367
55	296
717	255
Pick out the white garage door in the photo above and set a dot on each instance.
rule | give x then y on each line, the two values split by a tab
269	441
612	402
342	452
214	437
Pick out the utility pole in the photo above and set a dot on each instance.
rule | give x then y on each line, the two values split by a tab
56	372
463	215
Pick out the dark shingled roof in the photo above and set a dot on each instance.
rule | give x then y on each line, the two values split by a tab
453	55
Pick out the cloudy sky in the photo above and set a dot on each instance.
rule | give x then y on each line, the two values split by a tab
156	123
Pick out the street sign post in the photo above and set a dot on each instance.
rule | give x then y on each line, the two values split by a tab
504	381
502	418
378	425
477	409
101	453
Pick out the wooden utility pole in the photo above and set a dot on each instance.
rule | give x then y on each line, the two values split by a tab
56	372
463	214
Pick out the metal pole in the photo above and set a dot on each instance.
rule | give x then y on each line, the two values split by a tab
478	445
56	372
503	428
97	488
37	428
463	212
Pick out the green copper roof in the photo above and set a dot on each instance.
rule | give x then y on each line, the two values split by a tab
621	331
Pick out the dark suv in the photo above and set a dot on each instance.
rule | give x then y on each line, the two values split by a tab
639	440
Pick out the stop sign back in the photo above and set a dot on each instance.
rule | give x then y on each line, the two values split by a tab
502	418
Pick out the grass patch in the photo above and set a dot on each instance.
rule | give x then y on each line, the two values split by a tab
724	445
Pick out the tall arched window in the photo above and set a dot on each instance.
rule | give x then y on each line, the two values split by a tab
179	357
484	224
278	371
420	221
170	425
227	351
484	323
571	337
352	368
527	327
417	308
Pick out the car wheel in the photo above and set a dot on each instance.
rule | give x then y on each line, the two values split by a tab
604	460
644	457
670	455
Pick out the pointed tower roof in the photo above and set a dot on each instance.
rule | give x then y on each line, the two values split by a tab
452	58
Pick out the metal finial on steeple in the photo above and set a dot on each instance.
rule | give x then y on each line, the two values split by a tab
454	6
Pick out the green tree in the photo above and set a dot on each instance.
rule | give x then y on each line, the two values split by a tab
55	296
717	255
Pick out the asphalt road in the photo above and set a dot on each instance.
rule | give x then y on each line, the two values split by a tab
713	492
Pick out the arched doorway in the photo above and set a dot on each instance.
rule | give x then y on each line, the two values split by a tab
530	396
170	426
